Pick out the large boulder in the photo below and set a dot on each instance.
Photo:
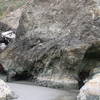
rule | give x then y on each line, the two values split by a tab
55	41
91	89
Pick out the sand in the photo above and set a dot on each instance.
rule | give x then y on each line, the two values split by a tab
30	92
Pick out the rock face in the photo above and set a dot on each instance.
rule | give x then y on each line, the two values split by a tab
5	91
56	40
91	90
4	27
12	19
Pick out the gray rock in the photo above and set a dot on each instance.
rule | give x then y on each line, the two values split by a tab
56	39
4	27
12	19
91	89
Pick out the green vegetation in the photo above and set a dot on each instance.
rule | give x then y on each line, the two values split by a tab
7	6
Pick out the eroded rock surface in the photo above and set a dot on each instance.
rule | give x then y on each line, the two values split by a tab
56	40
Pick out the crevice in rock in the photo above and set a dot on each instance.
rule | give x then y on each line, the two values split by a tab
2	70
4	40
83	75
93	53
89	62
22	76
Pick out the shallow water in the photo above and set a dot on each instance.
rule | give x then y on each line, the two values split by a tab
30	92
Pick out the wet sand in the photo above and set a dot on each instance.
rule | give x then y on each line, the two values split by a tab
30	92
